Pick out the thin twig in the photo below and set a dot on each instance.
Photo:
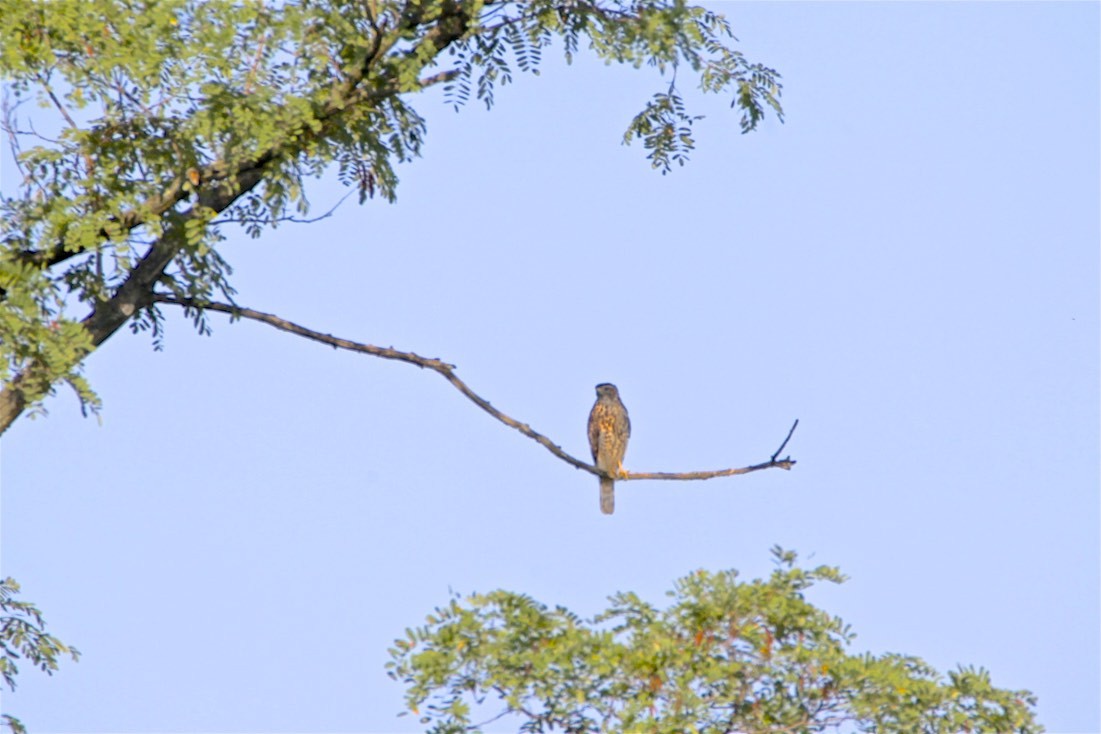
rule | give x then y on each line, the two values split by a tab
448	373
690	475
9	127
294	220
477	727
251	75
785	443
57	103
443	76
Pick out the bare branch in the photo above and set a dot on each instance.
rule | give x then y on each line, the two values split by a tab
443	76
57	102
260	47
8	125
293	220
690	475
785	443
448	373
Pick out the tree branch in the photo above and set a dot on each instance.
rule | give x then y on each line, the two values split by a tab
109	315
452	23
448	372
785	443
293	220
233	180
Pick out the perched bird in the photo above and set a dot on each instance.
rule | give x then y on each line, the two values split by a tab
609	429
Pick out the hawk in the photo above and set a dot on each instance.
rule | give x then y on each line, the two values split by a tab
609	429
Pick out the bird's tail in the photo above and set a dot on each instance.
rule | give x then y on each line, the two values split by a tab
607	496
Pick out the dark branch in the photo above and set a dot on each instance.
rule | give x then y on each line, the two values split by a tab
449	27
448	373
292	220
785	443
218	186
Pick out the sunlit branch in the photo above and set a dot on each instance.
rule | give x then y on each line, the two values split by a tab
448	373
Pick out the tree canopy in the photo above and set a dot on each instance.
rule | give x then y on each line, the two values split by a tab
173	120
166	124
724	656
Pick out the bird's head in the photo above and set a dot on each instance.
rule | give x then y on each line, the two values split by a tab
607	390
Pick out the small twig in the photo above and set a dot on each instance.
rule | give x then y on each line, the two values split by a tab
251	75
57	103
443	76
690	475
477	727
9	127
785	443
448	373
295	220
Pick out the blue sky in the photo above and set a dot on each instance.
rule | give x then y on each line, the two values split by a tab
909	265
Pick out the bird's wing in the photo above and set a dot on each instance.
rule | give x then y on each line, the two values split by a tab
594	428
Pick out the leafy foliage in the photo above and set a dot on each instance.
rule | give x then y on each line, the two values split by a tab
724	656
23	637
171	120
